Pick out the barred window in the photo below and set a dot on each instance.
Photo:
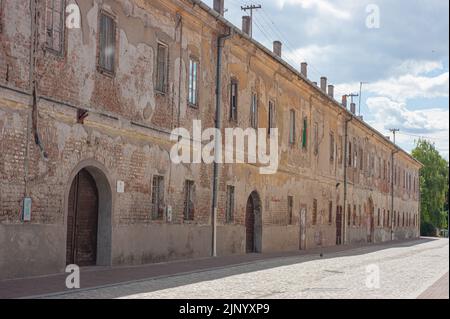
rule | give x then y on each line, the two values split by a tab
189	200
254	111
158	198
314	215
193	81
290	209
330	212
233	100
272	122
230	204
54	25
107	42
161	67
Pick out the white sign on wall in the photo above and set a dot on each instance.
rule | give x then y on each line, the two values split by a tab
120	186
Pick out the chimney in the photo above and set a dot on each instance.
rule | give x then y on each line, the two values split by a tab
353	108
323	84
277	48
331	91
304	69
246	24
344	101
219	6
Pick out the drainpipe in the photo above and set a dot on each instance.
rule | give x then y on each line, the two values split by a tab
220	44
347	120
392	193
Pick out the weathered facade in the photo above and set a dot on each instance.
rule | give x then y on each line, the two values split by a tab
85	121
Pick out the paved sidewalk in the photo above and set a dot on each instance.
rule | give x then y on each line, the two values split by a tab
103	277
440	290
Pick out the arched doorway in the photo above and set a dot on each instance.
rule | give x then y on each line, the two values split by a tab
88	216
82	221
370	221
253	224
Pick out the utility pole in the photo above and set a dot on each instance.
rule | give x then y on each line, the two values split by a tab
251	8
394	131
351	96
360	95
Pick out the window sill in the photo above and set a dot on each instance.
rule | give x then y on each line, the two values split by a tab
105	72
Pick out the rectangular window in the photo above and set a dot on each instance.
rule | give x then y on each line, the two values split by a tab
254	111
107	43
379	217
272	123
1	16
361	159
233	100
54	25
162	57
314	215
305	133
292	127
340	150
349	214
330	212
158	197
354	215
316	138
193	82
360	216
331	147
189	200
350	159
290	209
230	204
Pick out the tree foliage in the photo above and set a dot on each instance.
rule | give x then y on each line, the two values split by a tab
433	184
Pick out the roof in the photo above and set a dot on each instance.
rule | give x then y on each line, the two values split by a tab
238	31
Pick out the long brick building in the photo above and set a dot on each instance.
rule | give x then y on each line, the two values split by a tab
86	114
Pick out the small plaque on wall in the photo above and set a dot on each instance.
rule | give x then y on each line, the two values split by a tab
120	186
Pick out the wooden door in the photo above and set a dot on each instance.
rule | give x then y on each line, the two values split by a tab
82	221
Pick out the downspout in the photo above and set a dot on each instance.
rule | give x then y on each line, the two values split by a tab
218	143
392	193
345	176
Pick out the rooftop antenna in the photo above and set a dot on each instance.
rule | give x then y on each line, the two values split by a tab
251	8
394	131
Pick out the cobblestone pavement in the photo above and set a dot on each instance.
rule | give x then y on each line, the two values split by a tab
405	271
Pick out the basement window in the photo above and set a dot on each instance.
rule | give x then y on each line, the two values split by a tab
54	25
233	100
229	217
158	198
189	200
107	43
162	57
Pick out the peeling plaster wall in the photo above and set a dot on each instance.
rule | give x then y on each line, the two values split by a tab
126	133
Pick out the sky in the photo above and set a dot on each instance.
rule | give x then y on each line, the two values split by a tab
398	48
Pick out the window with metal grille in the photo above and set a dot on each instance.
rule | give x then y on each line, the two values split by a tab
162	57
189	200
330	212
54	25
158	197
229	217
314	214
290	209
331	147
233	100
254	111
107	42
292	127
193	82
272	122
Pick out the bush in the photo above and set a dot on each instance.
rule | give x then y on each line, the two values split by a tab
427	229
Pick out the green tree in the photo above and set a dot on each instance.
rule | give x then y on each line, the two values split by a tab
433	184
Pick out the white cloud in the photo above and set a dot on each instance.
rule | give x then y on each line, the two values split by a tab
324	7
